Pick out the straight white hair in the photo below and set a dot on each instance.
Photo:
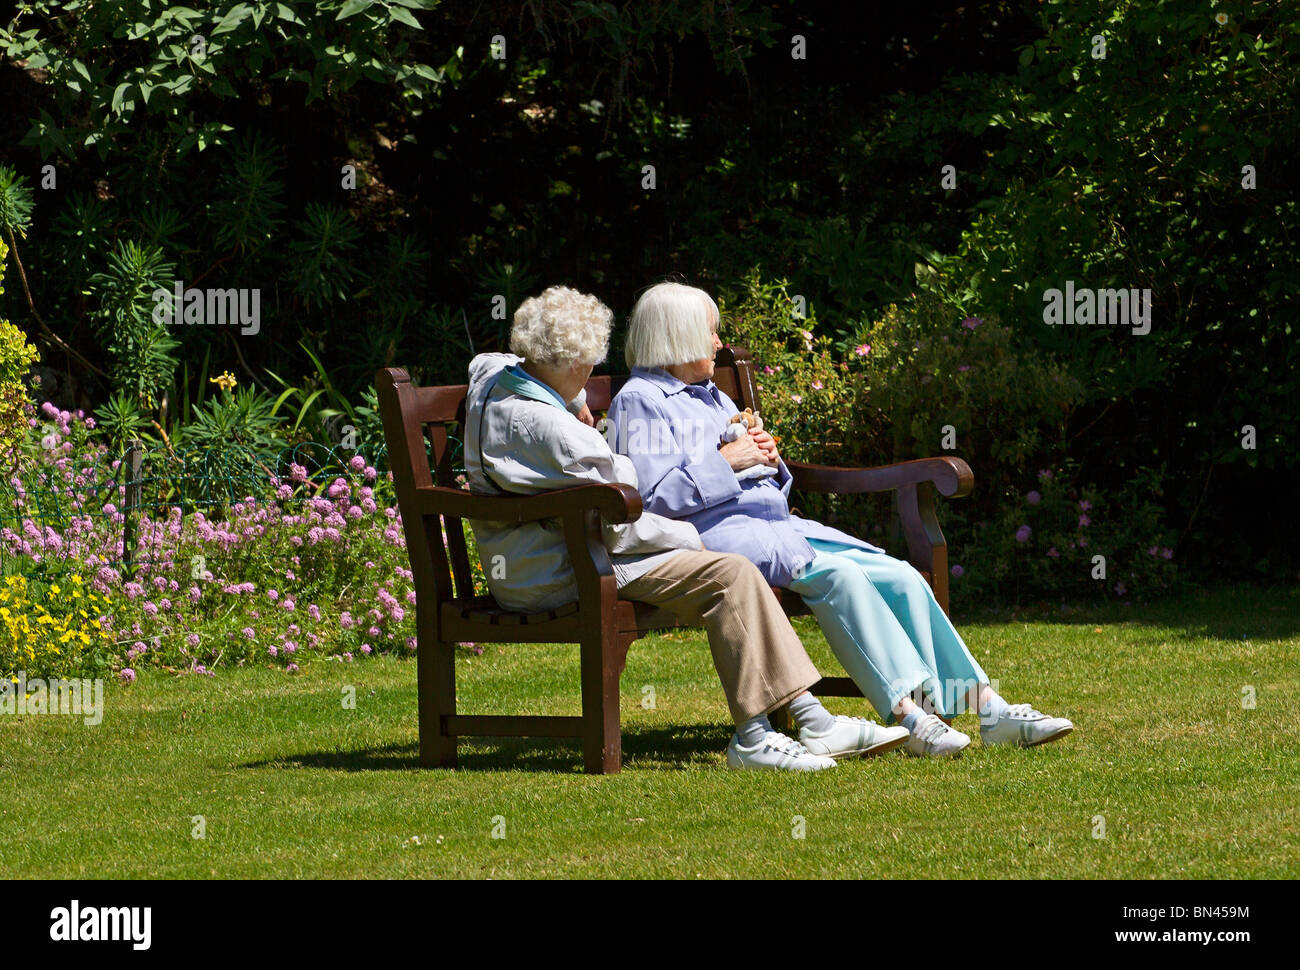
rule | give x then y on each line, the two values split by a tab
671	324
562	326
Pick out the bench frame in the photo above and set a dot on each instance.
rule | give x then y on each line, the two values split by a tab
433	511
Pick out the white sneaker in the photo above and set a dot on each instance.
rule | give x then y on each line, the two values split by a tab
851	736
777	752
932	738
1020	724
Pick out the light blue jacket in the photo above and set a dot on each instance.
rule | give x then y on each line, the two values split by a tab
672	431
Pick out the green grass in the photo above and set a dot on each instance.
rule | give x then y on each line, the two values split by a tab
293	785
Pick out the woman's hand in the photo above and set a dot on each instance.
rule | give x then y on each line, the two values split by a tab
585	416
767	445
742	453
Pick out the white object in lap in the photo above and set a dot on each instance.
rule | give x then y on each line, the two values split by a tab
733	433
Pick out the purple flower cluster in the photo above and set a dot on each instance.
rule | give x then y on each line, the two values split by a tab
321	553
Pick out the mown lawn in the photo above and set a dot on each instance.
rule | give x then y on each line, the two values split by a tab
291	784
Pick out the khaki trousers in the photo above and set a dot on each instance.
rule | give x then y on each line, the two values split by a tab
759	659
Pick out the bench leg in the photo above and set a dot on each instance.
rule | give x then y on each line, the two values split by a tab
602	740
436	696
926	548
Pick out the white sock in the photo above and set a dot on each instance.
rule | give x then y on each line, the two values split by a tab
910	718
809	713
753	731
993	706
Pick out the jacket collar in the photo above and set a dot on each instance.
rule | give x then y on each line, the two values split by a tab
516	380
667	383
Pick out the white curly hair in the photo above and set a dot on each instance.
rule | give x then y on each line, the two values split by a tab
671	324
562	326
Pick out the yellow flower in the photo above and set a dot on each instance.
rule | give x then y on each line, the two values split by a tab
225	380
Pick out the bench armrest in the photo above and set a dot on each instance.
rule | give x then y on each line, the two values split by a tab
616	503
579	509
952	477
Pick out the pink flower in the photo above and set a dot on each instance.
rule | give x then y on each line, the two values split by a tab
957	572
817	385
292	669
248	632
1084	521
192	639
796	398
970	323
1033	498
963	368
862	350
1023	533
1053	553
1120	589
1085	505
127	675
1044	475
1167	553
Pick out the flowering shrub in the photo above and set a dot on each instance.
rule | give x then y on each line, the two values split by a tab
315	568
16	356
1044	541
812	398
921	382
59	630
887	391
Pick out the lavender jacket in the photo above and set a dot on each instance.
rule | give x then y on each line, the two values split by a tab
672	431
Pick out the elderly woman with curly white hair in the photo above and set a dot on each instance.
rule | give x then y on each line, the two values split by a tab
528	430
878	613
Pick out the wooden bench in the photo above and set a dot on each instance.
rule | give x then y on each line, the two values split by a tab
448	611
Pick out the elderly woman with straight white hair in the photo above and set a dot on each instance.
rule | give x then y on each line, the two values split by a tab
878	613
527	431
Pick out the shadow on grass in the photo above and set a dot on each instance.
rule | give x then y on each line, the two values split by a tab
668	748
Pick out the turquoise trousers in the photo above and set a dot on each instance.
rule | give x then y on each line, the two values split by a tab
885	627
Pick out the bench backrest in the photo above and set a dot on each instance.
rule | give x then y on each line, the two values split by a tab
415	415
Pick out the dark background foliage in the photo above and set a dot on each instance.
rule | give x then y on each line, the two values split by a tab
478	176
